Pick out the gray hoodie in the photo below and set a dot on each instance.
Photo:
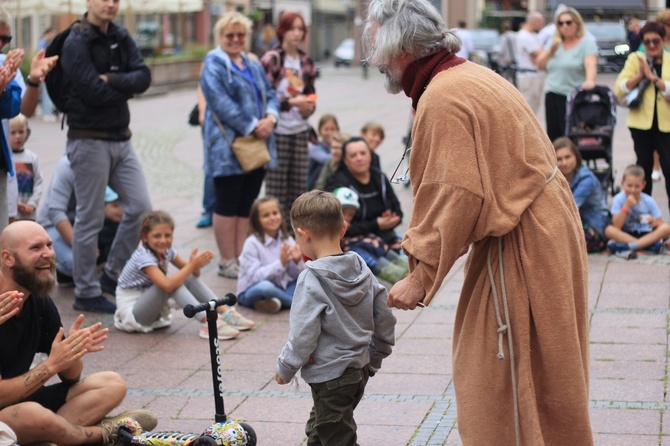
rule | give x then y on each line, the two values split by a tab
339	319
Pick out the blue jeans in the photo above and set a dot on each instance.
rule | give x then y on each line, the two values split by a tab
63	251
266	289
208	197
45	101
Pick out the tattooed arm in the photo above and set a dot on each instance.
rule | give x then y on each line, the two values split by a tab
65	358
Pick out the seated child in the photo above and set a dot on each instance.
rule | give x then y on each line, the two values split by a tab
637	222
384	262
319	154
27	167
270	261
144	286
373	134
328	168
340	307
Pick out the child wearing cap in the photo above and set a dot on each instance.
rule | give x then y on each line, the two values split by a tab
385	263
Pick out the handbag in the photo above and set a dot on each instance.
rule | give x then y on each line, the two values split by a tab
194	116
250	151
633	98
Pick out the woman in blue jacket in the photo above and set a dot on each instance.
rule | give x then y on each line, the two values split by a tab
587	192
239	95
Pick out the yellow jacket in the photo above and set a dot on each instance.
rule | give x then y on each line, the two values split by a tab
642	118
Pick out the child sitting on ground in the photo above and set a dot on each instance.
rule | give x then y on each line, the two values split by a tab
144	287
637	222
385	263
270	261
373	134
319	154
27	167
340	307
329	167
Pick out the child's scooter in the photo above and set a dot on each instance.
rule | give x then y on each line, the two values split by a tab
222	433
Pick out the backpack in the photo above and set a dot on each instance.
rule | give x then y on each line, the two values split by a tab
56	83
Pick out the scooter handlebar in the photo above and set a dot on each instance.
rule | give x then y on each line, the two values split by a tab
191	310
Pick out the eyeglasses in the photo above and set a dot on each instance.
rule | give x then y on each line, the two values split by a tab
652	42
404	177
231	36
5	39
566	23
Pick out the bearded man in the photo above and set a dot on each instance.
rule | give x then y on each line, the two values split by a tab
484	174
72	411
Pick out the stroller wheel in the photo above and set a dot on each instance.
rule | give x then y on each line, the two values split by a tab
251	434
205	441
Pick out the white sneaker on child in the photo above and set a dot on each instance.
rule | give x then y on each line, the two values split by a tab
224	330
236	320
656	175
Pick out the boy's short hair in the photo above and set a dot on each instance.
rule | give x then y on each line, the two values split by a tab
21	119
634	171
318	211
373	126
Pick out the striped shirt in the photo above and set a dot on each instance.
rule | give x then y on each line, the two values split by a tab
133	276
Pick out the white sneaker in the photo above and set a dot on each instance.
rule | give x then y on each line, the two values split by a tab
656	175
271	305
224	330
236	320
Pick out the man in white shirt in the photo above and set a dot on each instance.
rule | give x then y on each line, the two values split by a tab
467	45
530	81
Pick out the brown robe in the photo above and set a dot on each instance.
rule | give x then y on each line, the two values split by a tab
480	167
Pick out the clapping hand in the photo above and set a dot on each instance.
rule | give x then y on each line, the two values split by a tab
388	220
41	65
198	260
95	335
9	305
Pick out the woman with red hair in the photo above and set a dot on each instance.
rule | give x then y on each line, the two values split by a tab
291	72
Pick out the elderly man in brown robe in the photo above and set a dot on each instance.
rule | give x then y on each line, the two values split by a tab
484	175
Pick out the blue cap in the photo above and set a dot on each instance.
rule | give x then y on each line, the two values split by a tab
110	195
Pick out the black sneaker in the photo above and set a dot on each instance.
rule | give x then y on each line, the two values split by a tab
107	284
94	304
64	280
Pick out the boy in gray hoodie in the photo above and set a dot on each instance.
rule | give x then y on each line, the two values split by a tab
341	327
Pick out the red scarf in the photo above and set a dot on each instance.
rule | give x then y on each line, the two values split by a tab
419	73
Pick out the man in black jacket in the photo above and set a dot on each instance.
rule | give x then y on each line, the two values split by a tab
105	69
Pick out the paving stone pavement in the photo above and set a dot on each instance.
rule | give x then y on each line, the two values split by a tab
411	401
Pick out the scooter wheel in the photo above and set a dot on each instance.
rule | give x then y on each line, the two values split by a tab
205	441
251	434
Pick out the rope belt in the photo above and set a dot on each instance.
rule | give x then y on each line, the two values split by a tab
505	326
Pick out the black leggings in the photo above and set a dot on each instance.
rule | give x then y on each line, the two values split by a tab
645	143
555	107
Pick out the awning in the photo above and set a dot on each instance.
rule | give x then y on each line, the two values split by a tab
23	8
598	4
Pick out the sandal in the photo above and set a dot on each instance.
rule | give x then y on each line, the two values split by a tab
230	269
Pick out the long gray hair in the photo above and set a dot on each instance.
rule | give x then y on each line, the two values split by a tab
394	27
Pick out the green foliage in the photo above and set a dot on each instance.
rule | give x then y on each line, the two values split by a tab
488	20
255	15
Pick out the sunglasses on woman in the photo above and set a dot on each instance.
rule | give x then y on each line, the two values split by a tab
652	42
566	23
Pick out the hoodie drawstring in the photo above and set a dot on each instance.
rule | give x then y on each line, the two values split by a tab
505	326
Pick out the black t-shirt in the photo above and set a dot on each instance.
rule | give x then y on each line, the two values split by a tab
32	331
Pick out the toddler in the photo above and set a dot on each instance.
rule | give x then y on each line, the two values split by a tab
144	286
27	167
637	222
341	327
384	262
319	154
270	261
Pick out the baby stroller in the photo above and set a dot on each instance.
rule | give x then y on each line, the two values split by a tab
590	121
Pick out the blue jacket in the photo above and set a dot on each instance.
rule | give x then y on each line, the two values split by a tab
233	98
590	199
10	105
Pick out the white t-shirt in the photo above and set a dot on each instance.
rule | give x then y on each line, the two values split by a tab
291	121
467	44
526	43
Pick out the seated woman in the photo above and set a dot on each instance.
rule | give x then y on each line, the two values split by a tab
587	191
379	211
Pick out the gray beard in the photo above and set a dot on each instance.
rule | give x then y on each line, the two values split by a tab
391	84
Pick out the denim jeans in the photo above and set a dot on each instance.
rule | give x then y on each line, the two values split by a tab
208	197
63	251
266	289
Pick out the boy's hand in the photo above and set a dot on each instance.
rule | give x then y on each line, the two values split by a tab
632	201
280	381
654	222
